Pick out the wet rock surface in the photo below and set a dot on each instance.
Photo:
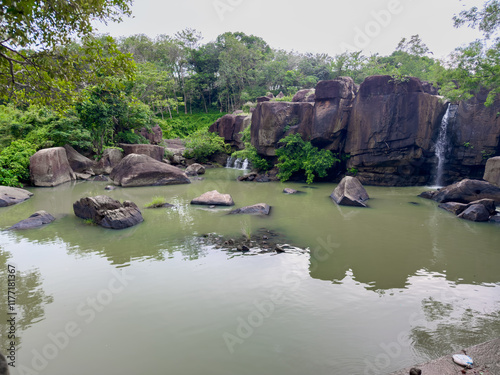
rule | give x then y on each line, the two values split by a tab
255	209
36	220
214	198
261	242
108	212
350	192
486	357
465	191
11	195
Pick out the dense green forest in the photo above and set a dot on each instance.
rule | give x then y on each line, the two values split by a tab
60	83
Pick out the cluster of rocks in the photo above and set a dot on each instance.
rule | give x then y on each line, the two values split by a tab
389	128
473	200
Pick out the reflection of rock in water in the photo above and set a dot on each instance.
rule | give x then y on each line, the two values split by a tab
30	300
4	369
262	241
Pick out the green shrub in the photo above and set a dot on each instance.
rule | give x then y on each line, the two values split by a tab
14	163
181	125
157	201
250	152
296	155
202	144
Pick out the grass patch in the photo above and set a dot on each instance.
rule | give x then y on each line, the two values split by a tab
156	202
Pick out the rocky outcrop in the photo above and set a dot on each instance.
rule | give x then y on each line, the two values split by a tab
306	95
108	212
272	121
492	171
467	191
229	128
391	130
214	198
50	167
480	210
111	157
142	170
474	136
195	169
255	209
11	195
350	192
155	152
331	113
154	136
78	162
36	220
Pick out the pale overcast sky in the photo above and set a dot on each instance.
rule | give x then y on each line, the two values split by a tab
317	26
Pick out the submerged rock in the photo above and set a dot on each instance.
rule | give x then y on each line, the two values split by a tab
475	212
108	212
11	195
467	191
214	198
36	220
290	191
256	209
195	169
454	207
350	192
141	170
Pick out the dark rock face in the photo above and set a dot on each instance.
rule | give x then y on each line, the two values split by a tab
474	133
141	170
155	152
111	157
11	195
154	136
77	161
467	191
4	367
195	169
107	212
331	113
350	192
214	198
475	212
36	220
492	171
390	132
306	95
272	121
50	167
229	128
255	209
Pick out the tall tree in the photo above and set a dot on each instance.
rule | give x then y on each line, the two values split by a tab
35	64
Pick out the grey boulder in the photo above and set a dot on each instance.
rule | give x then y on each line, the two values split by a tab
475	212
350	192
142	170
255	209
214	198
36	220
50	167
195	169
11	195
108	212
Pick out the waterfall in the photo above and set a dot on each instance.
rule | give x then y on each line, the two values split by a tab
237	163
441	147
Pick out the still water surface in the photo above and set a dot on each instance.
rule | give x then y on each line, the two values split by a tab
381	288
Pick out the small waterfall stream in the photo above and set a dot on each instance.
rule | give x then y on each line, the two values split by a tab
442	146
237	163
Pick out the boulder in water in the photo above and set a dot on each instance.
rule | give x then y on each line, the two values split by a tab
11	195
50	167
108	212
475	212
195	169
350	192
214	198
256	209
36	220
467	191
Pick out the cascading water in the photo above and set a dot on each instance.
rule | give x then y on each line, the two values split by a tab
441	146
237	163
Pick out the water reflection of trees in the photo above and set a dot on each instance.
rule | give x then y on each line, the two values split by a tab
450	328
30	300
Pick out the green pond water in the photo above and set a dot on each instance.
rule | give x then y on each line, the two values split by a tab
379	288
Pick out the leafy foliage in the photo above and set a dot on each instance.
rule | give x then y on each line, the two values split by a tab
202	144
296	155
14	163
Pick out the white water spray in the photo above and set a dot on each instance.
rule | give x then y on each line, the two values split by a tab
441	146
237	163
